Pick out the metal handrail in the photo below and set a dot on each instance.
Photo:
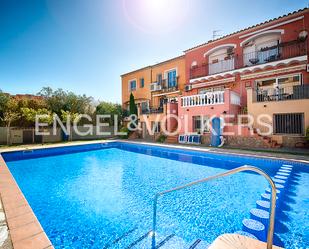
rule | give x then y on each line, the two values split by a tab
270	232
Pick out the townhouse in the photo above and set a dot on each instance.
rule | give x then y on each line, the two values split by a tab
262	69
156	90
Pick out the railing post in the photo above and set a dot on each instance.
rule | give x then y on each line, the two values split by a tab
270	232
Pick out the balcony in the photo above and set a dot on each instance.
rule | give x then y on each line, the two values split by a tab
169	89
213	68
165	86
222	66
210	98
282	93
153	110
270	54
275	53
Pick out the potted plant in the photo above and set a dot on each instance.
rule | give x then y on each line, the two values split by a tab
161	138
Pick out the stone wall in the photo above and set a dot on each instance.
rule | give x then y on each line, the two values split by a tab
206	139
246	142
239	141
256	141
294	141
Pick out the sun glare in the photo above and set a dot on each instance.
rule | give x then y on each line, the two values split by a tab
156	16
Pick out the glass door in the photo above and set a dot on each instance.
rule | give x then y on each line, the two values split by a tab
171	79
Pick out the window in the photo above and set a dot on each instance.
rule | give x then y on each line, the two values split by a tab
266	87
172	78
289	123
156	127
221	60
211	89
145	106
132	85
262	49
201	124
141	82
290	80
278	85
159	79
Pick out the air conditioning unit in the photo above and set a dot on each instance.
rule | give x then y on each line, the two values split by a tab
155	87
307	68
188	88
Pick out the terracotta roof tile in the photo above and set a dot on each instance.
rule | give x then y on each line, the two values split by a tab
245	29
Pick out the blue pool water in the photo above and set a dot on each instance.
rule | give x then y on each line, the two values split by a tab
91	197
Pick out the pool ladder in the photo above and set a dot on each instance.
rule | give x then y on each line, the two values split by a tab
270	232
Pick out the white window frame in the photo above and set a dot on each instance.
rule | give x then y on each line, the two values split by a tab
280	77
129	85
169	70
204	120
166	73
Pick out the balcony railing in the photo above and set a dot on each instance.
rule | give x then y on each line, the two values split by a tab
222	66
153	110
282	93
164	85
279	52
213	68
211	98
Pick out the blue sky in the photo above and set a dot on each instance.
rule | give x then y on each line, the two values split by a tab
85	45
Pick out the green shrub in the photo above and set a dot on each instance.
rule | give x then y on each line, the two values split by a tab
124	129
307	134
161	138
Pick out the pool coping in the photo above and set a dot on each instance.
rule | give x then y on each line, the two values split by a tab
25	229
215	151
174	146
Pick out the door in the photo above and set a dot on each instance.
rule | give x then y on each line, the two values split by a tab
161	102
38	139
27	136
171	78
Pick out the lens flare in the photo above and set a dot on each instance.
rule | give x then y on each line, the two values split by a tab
156	16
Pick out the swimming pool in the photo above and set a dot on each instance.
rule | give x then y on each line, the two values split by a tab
100	195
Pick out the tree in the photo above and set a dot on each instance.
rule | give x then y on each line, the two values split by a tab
132	105
66	117
108	108
60	100
133	111
4	99
29	114
10	115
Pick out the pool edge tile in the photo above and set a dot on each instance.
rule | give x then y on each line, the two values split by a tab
37	241
18	212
